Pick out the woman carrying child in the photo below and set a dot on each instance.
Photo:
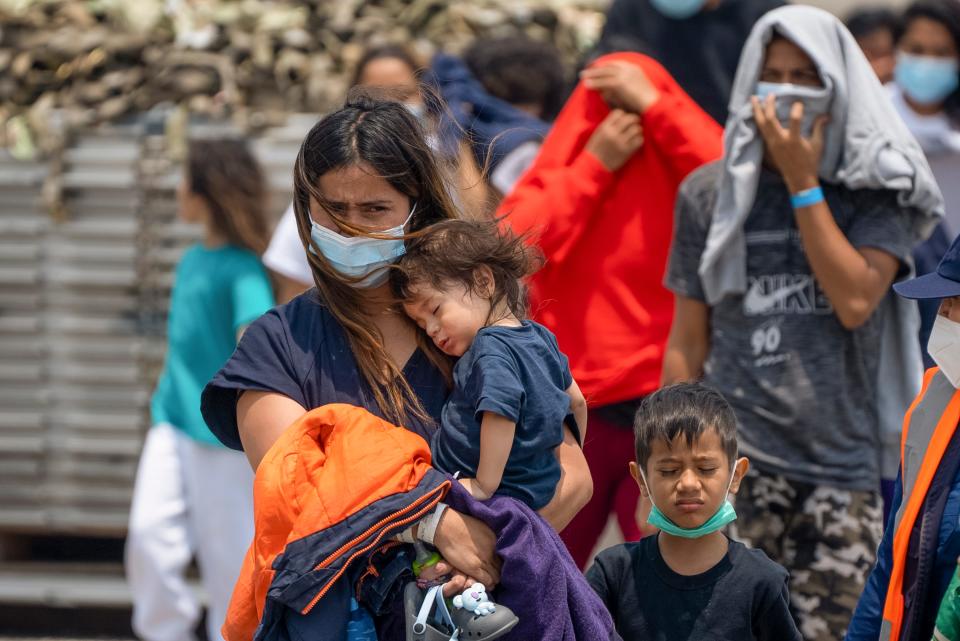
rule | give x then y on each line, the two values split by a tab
364	178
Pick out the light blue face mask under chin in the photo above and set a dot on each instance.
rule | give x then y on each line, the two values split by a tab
678	9
362	256
720	519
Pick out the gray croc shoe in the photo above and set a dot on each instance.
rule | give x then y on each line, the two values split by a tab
446	625
484	628
417	630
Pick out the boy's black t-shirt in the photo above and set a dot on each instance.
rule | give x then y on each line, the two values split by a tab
743	597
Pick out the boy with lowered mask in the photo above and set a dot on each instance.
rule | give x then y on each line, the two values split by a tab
697	583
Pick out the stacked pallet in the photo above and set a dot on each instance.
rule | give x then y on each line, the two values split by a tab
74	400
23	399
253	61
83	304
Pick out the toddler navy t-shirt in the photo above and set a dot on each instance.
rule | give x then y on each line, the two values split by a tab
301	351
518	373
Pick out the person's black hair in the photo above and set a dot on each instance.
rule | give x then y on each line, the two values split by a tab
519	70
388	51
947	13
451	251
686	410
869	20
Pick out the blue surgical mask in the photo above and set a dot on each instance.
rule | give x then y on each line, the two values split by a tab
361	256
724	515
927	80
816	102
678	9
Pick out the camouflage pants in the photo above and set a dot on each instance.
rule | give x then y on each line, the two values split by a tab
825	537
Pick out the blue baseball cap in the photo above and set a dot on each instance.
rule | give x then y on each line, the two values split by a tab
943	283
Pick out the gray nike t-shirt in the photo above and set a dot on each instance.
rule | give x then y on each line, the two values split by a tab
803	387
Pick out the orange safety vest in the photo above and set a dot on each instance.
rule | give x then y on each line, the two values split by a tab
928	426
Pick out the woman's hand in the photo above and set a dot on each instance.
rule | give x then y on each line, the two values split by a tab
622	86
796	157
468	545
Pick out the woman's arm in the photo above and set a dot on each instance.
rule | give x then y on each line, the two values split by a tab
261	418
575	487
465	542
578	405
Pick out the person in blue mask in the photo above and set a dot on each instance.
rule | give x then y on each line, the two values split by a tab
696	583
925	94
365	180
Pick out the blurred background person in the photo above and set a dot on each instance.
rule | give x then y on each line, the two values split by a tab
875	30
524	72
926	95
503	93
697	41
926	92
192	496
598	202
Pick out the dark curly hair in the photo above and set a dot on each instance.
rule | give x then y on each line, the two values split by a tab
452	251
519	70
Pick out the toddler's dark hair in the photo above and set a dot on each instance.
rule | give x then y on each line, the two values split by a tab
451	251
687	410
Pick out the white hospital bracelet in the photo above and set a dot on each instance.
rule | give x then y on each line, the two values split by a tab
406	536
428	526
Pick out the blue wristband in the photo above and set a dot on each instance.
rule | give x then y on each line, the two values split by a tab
806	197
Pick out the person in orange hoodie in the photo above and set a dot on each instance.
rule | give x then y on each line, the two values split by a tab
598	200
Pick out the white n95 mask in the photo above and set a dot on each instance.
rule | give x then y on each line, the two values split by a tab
944	348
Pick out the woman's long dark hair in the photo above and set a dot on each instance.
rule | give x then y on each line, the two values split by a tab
385	136
947	13
226	175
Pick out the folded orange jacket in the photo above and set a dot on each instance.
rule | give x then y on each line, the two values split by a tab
330	493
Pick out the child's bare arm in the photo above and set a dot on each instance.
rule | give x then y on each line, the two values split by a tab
496	441
578	405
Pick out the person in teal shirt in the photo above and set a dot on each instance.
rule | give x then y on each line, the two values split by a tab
192	496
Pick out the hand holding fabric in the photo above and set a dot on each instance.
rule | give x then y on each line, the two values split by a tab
622	85
796	156
616	139
468	545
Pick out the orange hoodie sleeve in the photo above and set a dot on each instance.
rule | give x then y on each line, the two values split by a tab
554	199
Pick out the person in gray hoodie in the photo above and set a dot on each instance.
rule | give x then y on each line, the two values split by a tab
782	261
